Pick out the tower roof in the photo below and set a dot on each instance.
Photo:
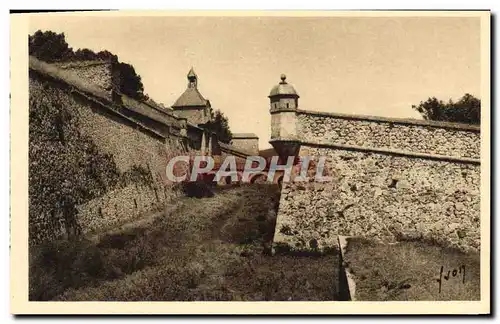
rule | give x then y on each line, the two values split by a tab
191	96
283	88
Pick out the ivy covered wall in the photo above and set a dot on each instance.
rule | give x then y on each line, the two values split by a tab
88	168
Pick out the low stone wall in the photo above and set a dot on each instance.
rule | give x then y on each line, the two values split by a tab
122	205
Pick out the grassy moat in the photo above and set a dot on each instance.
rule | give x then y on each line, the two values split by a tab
218	248
215	248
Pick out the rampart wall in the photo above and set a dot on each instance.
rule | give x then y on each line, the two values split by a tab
95	161
392	179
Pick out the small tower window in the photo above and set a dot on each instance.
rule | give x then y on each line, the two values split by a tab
287	105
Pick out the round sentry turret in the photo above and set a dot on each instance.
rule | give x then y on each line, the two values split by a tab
283	88
283	97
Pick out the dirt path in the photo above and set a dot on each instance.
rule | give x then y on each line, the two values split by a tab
141	222
171	207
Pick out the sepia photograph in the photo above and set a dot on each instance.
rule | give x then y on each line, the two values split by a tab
272	157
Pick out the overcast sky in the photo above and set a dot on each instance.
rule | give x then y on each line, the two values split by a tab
371	66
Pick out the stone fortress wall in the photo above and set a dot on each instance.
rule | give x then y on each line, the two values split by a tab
392	179
130	139
136	143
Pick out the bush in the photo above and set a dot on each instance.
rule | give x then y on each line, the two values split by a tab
60	265
198	189
55	266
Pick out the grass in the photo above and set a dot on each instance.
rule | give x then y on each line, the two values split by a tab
410	271
211	248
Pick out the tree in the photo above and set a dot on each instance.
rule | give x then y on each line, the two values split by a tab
219	124
466	110
107	56
130	82
52	47
49	46
89	55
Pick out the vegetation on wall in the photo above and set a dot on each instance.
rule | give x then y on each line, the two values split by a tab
466	110
66	168
52	47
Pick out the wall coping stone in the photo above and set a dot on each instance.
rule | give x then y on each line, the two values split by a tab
403	121
395	152
382	151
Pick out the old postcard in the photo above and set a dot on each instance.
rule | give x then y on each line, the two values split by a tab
314	162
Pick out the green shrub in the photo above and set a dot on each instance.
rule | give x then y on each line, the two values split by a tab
55	266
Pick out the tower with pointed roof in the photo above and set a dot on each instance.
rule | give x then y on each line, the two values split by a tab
284	102
191	104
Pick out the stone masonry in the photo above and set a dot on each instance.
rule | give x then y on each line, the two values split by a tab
392	179
81	125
